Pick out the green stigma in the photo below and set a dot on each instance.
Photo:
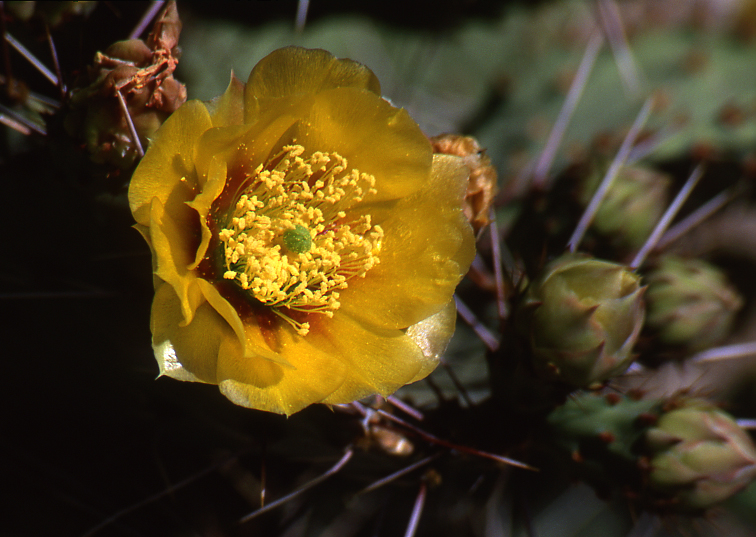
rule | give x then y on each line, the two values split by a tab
297	240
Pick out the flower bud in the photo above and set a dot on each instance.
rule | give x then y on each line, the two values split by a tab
632	206
700	456
582	318
482	181
142	72
683	455
690	302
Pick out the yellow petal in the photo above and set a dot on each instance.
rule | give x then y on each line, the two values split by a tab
167	169
432	335
427	248
228	109
221	143
296	71
244	147
373	136
216	180
258	382
378	360
244	332
173	252
189	352
342	363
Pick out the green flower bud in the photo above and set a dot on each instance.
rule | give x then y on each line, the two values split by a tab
690	302
582	318
632	206
700	456
683	455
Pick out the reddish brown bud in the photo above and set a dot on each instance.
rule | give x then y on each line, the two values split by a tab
482	183
130	85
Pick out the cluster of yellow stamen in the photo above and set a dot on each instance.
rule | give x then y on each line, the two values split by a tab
288	240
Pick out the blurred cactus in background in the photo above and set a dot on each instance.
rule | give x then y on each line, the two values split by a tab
690	302
53	13
632	206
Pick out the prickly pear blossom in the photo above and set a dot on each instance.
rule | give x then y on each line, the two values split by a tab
582	318
306	242
700	456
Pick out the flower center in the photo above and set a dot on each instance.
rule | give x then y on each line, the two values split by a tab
289	241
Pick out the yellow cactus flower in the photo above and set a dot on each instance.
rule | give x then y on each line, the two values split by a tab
306	242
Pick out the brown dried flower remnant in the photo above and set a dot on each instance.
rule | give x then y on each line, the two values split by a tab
481	185
130	84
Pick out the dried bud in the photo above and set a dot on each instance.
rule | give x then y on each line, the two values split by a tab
131	76
690	302
700	456
632	206
482	183
582	318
